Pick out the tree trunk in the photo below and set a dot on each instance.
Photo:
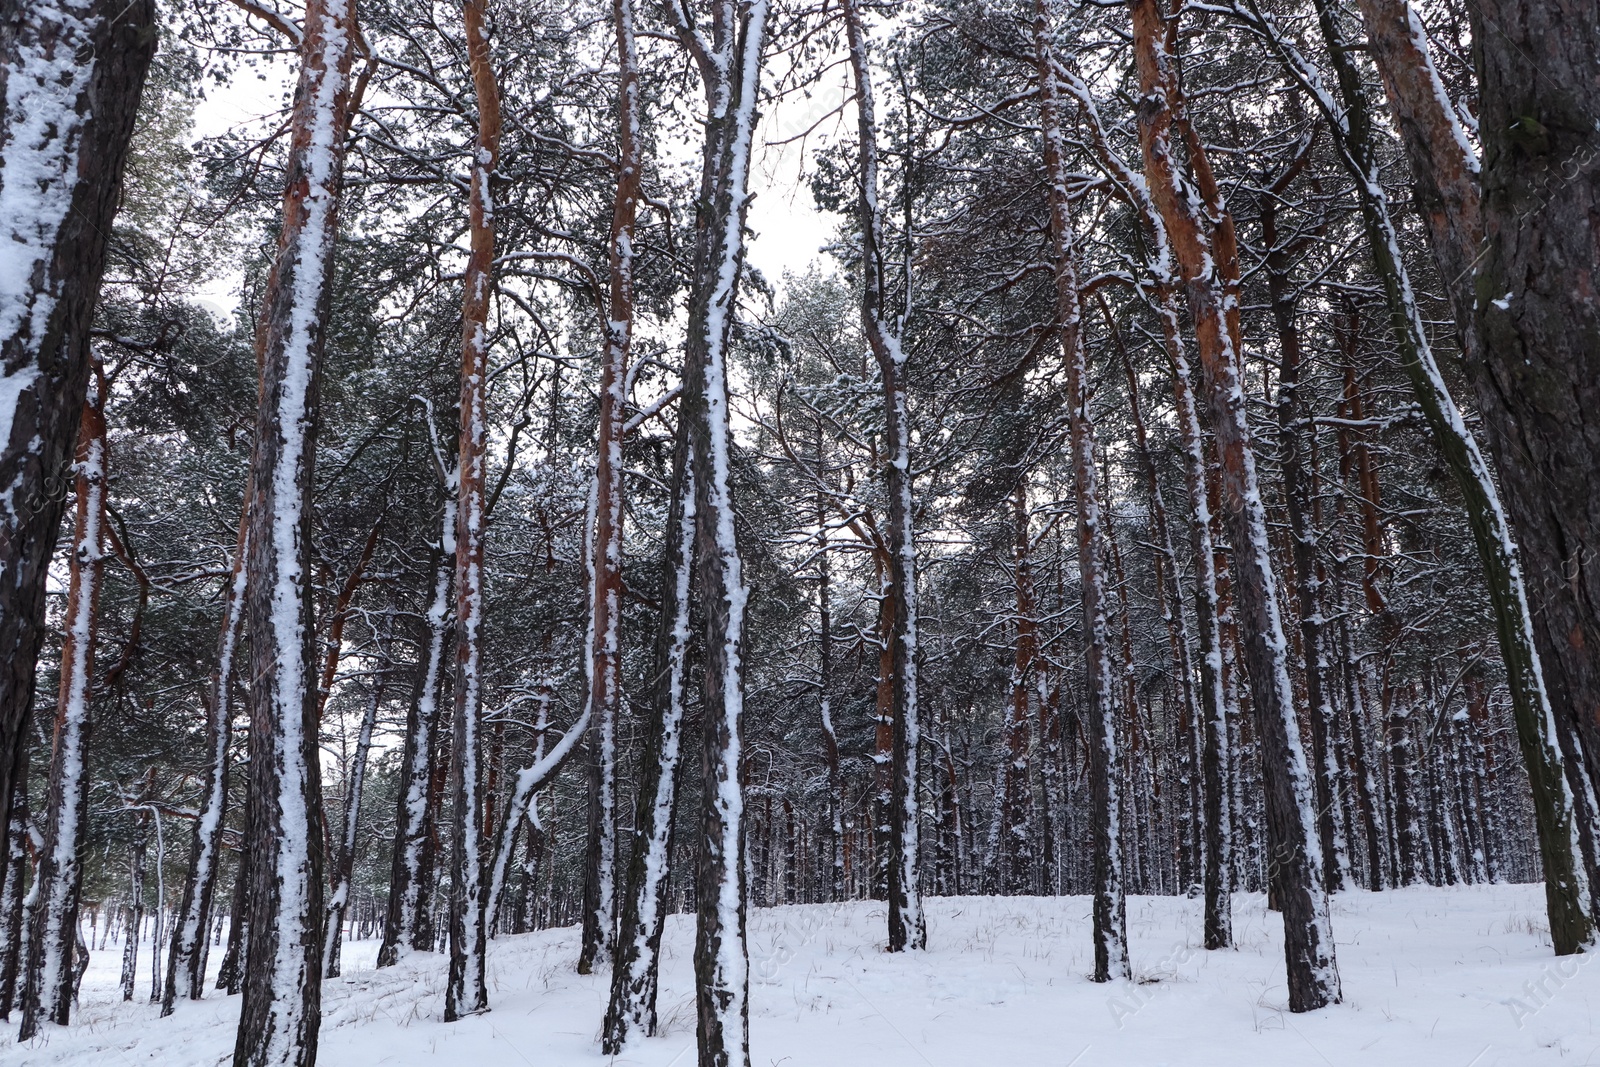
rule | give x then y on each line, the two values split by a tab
883	729
230	972
281	1013
158	916
344	857
1506	241
49	980
12	914
1171	602
466	991
72	72
406	927
1529	341
1218	706
1537	317
636	966
729	60
1110	905
830	739
1293	413
186	964
1016	806
1404	823
1202	241
605	612
1485	795
907	927
135	911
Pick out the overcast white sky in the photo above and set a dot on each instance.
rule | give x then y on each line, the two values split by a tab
789	229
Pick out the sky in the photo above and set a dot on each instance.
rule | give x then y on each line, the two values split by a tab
789	229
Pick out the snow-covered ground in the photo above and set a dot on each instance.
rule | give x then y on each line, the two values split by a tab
1459	977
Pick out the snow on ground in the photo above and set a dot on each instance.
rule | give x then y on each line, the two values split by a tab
1459	977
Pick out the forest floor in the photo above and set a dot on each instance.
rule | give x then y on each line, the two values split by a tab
1457	977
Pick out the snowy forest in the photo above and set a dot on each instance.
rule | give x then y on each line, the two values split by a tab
541	515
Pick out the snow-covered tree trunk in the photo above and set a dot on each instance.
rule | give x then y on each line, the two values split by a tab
13	919
49	982
406	924
1459	761
1138	755
834	807
907	927
1442	829
1537	316
1402	799
280	1015
230	969
727	49
186	964
636	963
1016	873
1171	602
882	798
466	991
71	72
344	856
1353	460
1294	455
158	914
605	553
1484	795
1217	704
1048	763
1202	243
1110	904
135	907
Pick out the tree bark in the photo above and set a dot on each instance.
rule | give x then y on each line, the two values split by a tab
636	966
406	926
466	991
1110	904
907	927
72	72
1202	241
186	964
281	1013
729	61
50	980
